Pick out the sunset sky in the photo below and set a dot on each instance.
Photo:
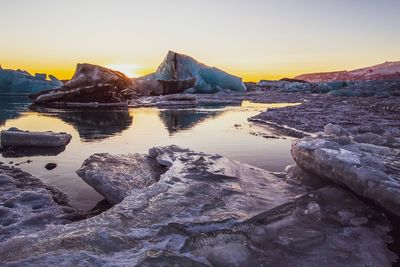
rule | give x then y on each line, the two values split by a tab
254	39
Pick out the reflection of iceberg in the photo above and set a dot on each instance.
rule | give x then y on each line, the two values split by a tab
97	124
17	152
183	119
179	67
93	124
21	82
12	106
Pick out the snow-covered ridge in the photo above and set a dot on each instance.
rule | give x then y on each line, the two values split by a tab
384	71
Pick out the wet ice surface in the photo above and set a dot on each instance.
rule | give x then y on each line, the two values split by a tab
207	210
368	170
214	130
27	205
359	115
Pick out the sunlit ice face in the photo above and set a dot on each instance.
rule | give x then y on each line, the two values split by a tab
130	70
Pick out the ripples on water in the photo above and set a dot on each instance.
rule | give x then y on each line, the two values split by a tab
213	130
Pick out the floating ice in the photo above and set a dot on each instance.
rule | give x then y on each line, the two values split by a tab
21	82
206	79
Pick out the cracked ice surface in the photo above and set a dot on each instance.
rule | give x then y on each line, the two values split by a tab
369	170
207	210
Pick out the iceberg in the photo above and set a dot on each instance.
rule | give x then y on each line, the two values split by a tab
22	82
90	83
179	67
93	84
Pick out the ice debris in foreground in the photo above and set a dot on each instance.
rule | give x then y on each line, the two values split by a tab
14	137
27	205
369	170
206	210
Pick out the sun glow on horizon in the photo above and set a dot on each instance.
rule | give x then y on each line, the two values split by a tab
287	42
130	70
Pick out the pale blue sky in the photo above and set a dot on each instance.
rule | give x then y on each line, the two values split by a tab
254	39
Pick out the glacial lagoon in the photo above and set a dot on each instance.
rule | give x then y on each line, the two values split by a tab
219	130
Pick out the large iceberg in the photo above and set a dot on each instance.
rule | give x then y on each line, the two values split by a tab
97	84
179	67
177	74
90	83
21	82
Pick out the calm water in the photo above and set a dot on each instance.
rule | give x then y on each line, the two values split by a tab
213	130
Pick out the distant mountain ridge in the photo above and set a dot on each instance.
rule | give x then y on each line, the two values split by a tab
384	71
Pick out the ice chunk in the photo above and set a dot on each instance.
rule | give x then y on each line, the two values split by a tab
17	138
368	170
94	85
90	83
21	82
207	79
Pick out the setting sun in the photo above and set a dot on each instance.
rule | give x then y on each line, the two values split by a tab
130	70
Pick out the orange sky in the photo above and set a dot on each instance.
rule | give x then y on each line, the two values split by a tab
132	70
254	39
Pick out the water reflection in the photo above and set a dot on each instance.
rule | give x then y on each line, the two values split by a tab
12	106
135	131
19	152
184	119
93	125
250	104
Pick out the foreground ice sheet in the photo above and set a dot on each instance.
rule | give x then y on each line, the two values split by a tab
369	170
116	176
206	79
27	205
206	210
